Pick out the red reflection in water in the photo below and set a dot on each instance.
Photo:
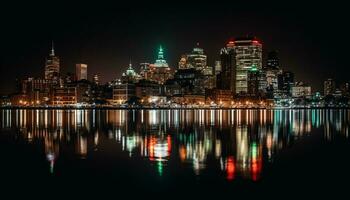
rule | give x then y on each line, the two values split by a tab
230	168
169	143
256	168
151	144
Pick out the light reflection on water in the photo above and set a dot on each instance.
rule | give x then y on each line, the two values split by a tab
239	142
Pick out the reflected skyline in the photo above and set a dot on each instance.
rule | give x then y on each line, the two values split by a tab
233	143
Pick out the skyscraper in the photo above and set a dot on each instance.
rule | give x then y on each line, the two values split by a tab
96	79
160	70
272	69
248	54
273	61
197	59
285	83
217	67
81	71
226	78
52	65
144	70
256	82
328	87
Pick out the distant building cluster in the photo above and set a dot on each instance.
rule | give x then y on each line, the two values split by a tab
239	79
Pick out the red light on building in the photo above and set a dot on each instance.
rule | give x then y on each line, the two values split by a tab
256	42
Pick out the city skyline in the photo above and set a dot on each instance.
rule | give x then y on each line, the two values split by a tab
192	99
106	42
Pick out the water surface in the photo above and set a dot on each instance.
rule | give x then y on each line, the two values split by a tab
175	151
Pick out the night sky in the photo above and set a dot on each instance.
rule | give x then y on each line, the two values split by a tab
312	38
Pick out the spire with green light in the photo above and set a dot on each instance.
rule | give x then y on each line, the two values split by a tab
160	53
161	62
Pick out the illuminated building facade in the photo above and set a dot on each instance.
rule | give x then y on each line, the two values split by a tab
84	94
144	70
197	59
226	78
328	87
219	97
123	92
160	70
183	62
272	70
64	96
285	83
248	54
52	66
253	82
345	89
130	76
189	80
301	90
217	67
81	71
144	89
36	90
96	79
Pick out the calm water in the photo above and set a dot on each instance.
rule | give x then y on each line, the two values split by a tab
179	151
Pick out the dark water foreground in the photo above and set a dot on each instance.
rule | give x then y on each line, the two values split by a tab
175	153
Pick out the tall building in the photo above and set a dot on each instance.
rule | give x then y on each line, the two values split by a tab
161	62
217	67
197	59
256	82
253	82
273	61
96	79
160	70
285	83
345	88
248	54
144	70
328	87
272	69
81	71
226	78
52	65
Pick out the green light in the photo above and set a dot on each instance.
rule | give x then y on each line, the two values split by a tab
160	168
254	150
254	68
160	53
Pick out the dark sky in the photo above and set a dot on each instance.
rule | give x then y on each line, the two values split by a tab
312	38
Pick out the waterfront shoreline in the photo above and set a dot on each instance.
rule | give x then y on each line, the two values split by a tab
163	108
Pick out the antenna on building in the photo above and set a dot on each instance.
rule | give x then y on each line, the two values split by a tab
52	49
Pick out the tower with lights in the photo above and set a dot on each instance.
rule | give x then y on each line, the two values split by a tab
52	65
